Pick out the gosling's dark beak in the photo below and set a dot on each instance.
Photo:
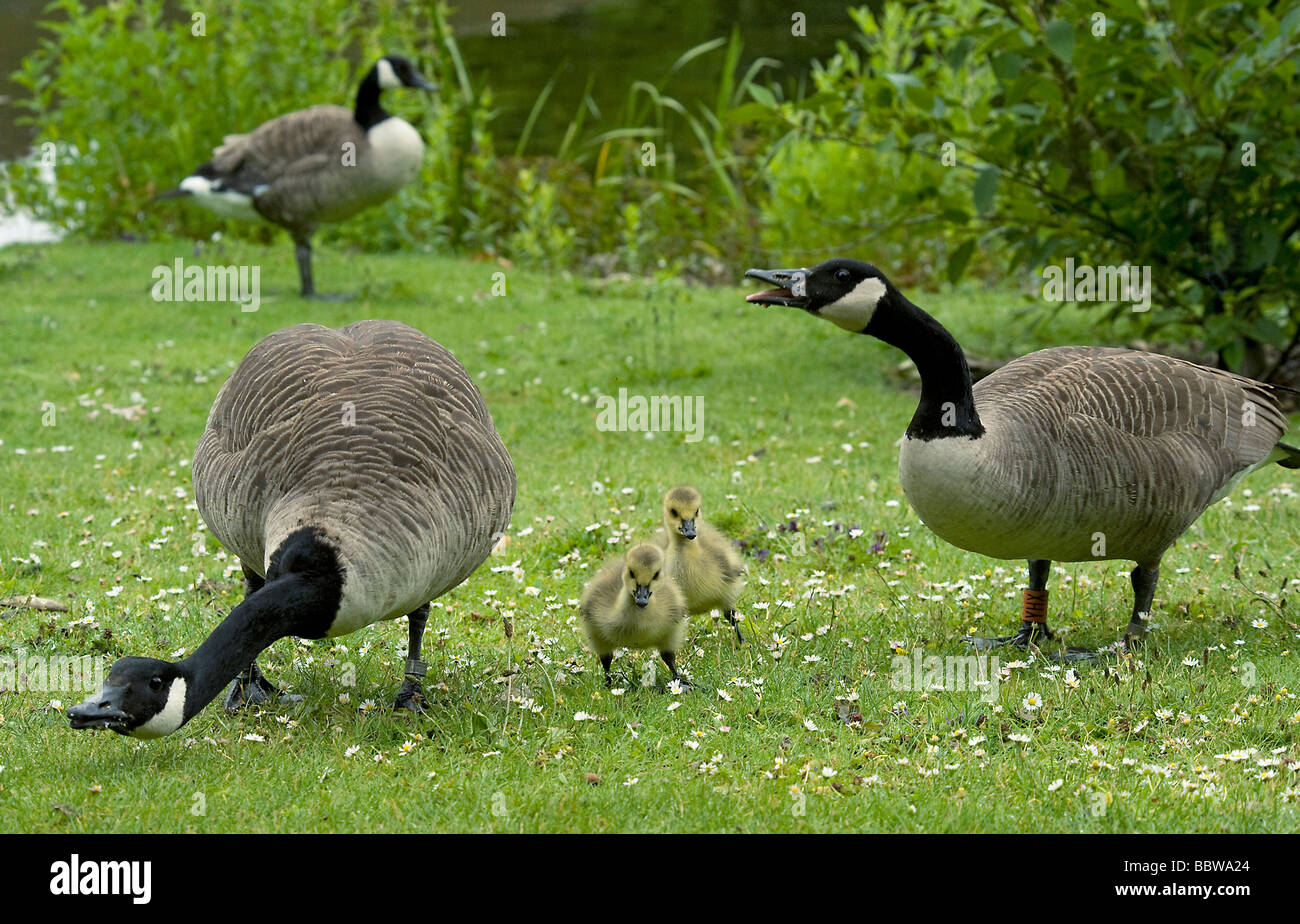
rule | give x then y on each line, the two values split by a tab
789	289
641	596
100	711
687	528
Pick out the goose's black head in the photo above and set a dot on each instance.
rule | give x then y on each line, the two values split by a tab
142	697
848	292
393	71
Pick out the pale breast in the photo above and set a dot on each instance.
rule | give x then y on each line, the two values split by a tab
396	153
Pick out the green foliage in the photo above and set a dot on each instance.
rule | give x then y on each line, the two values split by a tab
1163	134
133	99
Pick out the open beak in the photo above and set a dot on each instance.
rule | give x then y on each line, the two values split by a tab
790	287
687	528
641	596
100	711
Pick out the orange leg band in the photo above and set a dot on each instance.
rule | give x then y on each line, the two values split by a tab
1034	608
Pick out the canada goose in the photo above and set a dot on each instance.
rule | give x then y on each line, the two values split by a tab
315	165
701	560
632	603
1072	453
357	474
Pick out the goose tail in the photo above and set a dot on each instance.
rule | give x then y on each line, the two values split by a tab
1286	456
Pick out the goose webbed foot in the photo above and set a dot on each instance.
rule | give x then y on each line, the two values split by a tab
1135	635
1029	633
411	695
1036	635
251	688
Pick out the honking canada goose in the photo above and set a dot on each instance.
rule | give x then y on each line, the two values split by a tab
632	603
316	165
357	474
701	560
1072	453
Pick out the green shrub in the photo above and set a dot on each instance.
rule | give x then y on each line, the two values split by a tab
1164	134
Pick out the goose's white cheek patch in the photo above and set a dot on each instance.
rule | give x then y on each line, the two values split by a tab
170	718
854	310
387	76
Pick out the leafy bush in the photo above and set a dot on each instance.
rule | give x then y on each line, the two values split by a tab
1164	134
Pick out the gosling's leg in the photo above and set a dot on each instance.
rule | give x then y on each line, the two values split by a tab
670	658
1144	578
605	661
411	695
731	618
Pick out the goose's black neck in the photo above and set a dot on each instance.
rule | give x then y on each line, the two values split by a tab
369	112
300	597
947	407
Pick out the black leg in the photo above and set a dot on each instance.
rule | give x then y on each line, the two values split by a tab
411	695
302	250
670	658
1144	591
605	661
1033	623
253	581
731	618
1033	619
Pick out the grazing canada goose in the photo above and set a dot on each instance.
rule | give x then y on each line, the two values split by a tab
632	603
1068	454
316	165
357	474
700	559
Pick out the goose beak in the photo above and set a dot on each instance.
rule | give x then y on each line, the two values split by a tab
641	596
687	528
420	83
100	711
790	288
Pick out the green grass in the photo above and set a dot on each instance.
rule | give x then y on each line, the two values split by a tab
801	422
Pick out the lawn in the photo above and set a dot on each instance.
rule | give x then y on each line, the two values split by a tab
800	729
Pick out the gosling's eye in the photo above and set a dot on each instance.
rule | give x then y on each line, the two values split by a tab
155	684
673	512
697	514
656	577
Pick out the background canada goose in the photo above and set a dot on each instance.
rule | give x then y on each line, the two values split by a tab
315	165
632	603
1071	454
702	561
357	475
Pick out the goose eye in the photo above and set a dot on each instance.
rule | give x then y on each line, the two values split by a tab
843	275
155	684
673	512
656	577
